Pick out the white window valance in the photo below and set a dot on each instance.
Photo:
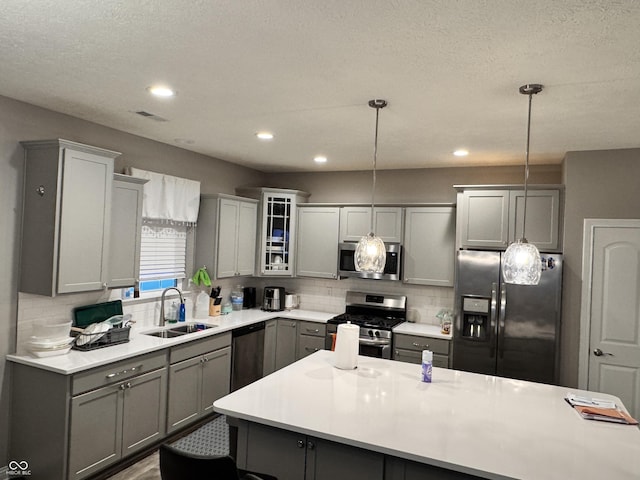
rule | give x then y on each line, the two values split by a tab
168	198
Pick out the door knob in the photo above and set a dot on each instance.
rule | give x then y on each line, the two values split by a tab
598	353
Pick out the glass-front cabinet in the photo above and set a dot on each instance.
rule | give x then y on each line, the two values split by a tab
276	240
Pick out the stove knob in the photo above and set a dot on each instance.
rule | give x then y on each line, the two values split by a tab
377	333
371	333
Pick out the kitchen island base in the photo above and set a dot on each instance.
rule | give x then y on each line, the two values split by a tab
293	456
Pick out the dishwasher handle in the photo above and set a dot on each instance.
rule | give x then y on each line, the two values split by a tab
246	330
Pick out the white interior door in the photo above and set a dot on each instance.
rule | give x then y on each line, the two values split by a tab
610	317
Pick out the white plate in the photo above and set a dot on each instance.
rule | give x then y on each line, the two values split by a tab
93	333
42	345
51	352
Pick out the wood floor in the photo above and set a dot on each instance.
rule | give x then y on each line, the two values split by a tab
146	469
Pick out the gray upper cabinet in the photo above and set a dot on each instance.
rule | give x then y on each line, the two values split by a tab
543	218
355	222
429	246
126	228
317	242
484	218
492	218
226	235
66	217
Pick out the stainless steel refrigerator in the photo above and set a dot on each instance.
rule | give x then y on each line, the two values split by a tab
503	329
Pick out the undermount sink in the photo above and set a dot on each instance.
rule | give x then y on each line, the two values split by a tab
178	331
191	328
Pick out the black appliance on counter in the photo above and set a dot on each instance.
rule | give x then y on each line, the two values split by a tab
249	297
273	299
376	315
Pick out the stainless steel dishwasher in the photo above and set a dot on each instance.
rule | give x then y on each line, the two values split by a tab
247	355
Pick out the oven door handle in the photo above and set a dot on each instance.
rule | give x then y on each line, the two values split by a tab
374	342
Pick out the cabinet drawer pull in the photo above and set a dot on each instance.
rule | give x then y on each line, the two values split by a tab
311	349
313	330
420	346
111	375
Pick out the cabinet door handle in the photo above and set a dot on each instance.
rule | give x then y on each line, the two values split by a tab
122	386
128	384
311	445
310	349
300	443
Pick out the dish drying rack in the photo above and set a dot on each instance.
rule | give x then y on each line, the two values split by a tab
109	313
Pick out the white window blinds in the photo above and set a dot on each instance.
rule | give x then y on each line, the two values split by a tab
163	251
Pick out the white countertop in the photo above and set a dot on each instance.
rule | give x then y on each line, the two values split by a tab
482	425
139	343
422	330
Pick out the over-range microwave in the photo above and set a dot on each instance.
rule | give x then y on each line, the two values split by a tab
347	268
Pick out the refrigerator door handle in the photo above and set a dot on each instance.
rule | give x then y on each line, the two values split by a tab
492	319
503	314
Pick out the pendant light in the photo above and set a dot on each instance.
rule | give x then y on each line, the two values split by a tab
370	255
521	263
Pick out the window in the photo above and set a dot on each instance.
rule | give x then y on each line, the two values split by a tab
163	253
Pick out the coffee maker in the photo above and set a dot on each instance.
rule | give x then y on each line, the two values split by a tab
249	298
273	299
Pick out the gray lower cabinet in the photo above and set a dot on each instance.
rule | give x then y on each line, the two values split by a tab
311	338
293	456
110	423
408	348
199	374
90	419
400	469
286	342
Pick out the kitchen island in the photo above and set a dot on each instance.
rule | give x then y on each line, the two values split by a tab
382	417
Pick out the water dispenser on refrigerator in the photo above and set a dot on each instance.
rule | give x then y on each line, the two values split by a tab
475	318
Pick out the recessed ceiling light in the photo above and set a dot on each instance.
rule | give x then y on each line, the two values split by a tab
161	91
461	152
320	159
265	135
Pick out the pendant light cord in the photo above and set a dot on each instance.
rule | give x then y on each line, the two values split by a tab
526	170
375	159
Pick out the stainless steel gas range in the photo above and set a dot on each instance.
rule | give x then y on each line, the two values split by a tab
376	315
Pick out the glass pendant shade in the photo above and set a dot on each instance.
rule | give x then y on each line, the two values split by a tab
370	255
521	264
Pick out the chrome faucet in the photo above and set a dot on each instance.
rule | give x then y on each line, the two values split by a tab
162	319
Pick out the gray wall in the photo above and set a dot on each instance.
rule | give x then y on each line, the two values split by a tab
598	184
21	121
433	185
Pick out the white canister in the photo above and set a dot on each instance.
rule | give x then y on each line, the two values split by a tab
347	344
288	301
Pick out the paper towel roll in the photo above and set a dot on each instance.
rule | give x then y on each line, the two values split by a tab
347	342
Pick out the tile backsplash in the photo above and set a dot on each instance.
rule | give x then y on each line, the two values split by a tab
423	302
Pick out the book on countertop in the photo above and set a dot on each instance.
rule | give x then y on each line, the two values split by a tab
599	409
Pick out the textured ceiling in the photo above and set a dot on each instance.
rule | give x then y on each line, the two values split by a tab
450	70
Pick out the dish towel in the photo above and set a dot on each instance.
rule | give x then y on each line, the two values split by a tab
202	277
168	198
